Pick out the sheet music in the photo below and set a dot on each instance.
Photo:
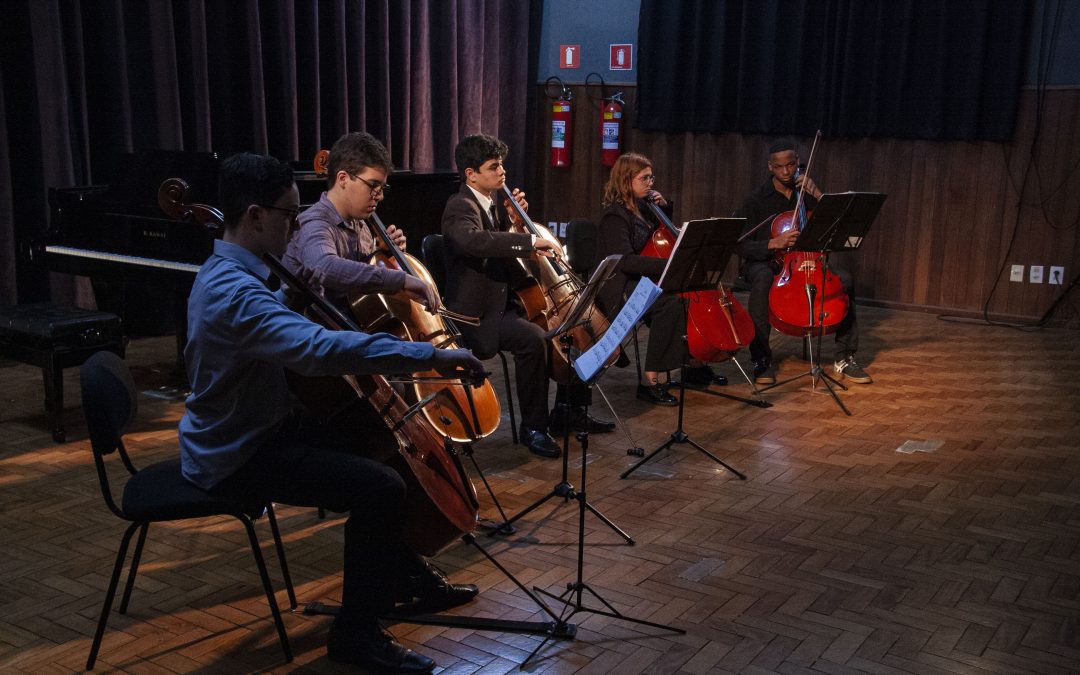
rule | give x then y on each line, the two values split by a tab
593	359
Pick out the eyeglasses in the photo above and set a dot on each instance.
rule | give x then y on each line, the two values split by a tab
647	179
293	213
375	186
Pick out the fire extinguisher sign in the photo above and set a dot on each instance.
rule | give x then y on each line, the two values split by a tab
622	57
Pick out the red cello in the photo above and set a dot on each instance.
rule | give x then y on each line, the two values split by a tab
806	298
717	326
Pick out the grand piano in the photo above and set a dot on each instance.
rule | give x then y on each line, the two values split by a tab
142	263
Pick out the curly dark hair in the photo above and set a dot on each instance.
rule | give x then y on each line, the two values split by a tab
474	150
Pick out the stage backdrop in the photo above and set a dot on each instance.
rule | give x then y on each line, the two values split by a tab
83	81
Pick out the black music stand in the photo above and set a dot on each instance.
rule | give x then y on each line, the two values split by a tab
698	260
564	489
838	223
572	597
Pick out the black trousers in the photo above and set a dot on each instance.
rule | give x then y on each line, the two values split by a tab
295	469
760	277
509	331
667	326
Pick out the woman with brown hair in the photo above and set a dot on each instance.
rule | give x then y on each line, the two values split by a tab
625	227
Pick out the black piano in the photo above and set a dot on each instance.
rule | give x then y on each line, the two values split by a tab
142	263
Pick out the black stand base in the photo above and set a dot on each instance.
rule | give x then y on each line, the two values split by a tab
563	490
680	436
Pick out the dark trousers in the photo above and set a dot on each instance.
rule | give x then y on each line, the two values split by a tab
667	326
760	277
509	331
291	470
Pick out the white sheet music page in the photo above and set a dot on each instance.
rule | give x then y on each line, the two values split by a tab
593	359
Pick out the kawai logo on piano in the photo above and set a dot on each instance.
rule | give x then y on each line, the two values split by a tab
155	234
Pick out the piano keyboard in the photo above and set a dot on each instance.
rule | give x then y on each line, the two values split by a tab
123	259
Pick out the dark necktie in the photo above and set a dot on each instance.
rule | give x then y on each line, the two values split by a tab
494	213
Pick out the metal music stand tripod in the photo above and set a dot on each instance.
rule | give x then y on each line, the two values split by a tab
838	223
697	262
564	489
572	598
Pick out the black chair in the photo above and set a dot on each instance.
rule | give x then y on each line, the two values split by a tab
432	247
157	493
581	252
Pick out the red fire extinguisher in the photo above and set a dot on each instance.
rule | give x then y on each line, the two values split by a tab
610	125
561	131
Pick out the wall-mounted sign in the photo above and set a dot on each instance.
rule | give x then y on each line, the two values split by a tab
569	56
622	57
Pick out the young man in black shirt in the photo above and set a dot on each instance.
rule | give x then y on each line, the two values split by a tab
778	194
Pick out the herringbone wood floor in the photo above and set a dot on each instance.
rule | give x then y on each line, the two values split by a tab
838	554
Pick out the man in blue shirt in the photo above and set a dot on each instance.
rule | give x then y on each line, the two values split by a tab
237	439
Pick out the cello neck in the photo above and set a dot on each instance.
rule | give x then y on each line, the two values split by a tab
662	217
529	226
391	248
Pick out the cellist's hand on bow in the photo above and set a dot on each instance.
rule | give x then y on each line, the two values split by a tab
422	292
547	248
459	363
396	236
519	197
784	240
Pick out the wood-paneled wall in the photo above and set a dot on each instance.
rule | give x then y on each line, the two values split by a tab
942	241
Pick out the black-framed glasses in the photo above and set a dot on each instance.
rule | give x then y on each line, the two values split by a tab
293	213
375	186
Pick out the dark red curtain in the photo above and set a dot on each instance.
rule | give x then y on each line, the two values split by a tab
84	80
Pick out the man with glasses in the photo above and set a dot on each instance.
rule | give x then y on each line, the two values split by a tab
333	243
778	194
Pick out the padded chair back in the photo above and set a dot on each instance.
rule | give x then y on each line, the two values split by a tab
432	248
581	245
109	400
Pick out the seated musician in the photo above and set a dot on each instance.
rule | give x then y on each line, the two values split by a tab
778	194
239	439
333	242
481	275
625	227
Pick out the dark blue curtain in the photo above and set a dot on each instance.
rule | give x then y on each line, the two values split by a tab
897	68
82	81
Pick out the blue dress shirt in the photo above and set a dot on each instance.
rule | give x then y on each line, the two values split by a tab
241	338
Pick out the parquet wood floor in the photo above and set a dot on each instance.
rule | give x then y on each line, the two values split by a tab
839	554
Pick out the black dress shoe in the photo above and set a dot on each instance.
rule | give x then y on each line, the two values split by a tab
375	650
701	377
656	394
431	591
579	421
764	371
539	442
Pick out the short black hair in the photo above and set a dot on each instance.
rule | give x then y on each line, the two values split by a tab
355	151
782	145
245	179
474	150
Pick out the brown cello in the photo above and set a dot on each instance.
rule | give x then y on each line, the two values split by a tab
548	303
806	298
459	411
441	504
717	325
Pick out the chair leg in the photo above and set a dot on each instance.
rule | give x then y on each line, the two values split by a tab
271	517
110	594
133	570
54	399
270	599
509	396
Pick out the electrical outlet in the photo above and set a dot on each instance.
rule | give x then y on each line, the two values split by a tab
1035	275
1057	274
1017	273
562	230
